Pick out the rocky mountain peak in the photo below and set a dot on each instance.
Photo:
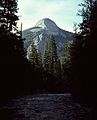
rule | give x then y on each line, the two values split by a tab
47	24
41	34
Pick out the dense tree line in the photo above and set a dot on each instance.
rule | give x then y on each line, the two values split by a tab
84	57
75	70
52	66
66	66
20	75
49	65
83	51
11	44
17	75
34	56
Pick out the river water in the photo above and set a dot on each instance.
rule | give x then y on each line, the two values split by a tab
43	107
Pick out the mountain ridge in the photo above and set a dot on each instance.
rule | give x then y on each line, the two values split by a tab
42	32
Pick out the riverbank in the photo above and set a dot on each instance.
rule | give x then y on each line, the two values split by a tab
44	107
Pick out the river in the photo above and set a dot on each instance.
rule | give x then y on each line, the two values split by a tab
43	107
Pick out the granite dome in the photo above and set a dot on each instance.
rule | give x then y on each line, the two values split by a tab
42	32
47	24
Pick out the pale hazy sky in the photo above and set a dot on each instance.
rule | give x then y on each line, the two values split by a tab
62	12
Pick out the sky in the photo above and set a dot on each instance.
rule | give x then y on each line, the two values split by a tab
62	12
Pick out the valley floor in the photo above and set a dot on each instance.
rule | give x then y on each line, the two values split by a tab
44	107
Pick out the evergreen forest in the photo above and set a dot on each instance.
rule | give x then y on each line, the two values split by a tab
75	72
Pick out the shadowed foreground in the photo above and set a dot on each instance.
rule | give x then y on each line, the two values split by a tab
44	107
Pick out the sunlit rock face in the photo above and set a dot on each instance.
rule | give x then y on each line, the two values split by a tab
42	32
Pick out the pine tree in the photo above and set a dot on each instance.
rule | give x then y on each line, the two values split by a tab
34	56
66	61
11	48
83	55
8	17
65	58
46	60
66	66
59	70
50	56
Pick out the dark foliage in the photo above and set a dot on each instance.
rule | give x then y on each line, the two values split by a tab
66	67
52	67
84	56
17	75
